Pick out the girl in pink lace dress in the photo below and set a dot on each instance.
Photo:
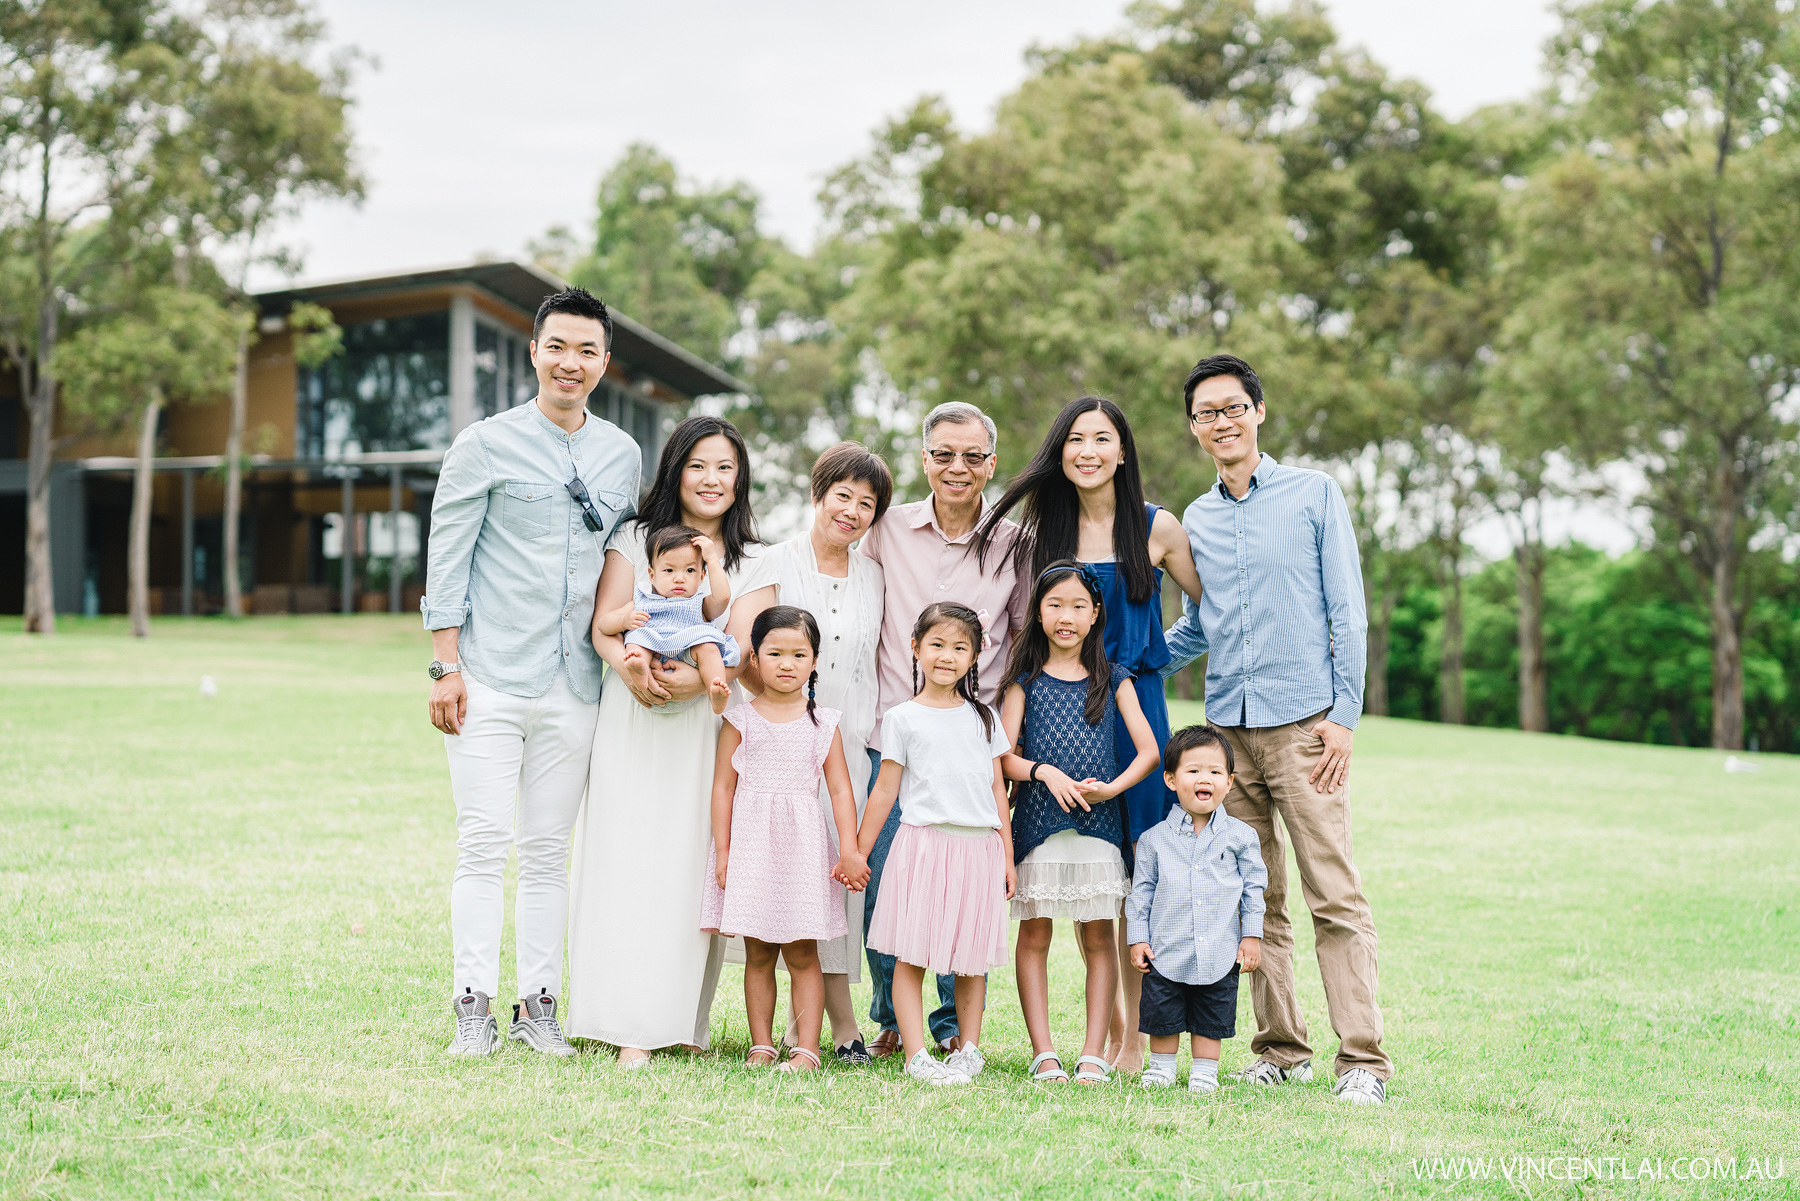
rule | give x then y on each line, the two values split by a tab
771	875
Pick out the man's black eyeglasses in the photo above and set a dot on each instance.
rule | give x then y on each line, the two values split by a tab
589	517
1208	416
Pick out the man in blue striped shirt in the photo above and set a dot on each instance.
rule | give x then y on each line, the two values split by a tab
1282	615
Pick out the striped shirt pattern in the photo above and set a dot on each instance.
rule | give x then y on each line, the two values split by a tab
1195	894
1282	610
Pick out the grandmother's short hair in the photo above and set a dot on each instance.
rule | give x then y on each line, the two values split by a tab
853	461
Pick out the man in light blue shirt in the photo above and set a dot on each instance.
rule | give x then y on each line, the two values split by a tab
1283	618
524	504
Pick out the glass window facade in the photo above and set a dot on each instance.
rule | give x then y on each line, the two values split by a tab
637	415
388	390
503	374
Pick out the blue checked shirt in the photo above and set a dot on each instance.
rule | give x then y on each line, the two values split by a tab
1196	894
1282	602
511	562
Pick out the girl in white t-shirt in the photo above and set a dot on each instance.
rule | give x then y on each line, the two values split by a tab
942	905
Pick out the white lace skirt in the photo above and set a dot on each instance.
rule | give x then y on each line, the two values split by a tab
1072	876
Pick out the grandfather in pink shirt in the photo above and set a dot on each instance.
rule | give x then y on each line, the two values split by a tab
926	552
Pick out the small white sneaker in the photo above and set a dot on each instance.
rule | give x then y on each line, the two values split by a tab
1202	1084
1157	1076
1359	1086
924	1068
966	1059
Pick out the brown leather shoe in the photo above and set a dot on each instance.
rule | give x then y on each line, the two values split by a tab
885	1044
954	1043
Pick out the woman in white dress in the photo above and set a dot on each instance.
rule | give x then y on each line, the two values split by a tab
642	974
818	571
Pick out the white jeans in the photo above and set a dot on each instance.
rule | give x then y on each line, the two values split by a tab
518	771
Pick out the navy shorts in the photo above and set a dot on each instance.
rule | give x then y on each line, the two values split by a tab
1171	1007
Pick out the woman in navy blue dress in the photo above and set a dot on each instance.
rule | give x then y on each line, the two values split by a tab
1082	497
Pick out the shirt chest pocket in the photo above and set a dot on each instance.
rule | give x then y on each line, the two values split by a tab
609	505
527	509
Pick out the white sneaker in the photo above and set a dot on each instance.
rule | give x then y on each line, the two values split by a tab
966	1059
1261	1071
1359	1086
1157	1076
924	1068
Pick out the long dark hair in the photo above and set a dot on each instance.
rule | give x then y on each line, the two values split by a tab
1051	516
1031	649
790	617
969	687
737	527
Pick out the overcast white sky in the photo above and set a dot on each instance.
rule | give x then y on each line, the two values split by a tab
482	125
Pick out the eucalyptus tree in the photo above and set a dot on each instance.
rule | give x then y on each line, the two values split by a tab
83	93
1671	273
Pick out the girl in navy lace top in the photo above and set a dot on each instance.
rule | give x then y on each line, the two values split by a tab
1068	831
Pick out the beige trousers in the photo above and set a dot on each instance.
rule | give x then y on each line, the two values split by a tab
1272	769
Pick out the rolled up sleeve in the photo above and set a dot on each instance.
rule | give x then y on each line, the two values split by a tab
458	510
1186	639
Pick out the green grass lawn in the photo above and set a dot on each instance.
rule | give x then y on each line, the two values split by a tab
224	955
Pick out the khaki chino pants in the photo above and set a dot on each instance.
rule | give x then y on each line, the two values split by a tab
1272	769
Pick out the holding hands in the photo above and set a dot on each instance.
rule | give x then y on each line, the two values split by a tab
852	870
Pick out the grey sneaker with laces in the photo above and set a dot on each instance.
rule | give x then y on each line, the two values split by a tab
477	1033
1359	1086
534	1024
1261	1071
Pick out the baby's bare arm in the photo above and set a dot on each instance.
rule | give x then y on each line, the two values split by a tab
617	621
713	555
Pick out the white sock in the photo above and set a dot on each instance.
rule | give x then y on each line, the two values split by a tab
1204	1072
1164	1064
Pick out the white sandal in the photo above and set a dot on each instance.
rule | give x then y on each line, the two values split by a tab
760	1049
794	1053
1084	1075
1049	1075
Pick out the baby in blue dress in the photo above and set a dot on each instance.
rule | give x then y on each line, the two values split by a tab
670	617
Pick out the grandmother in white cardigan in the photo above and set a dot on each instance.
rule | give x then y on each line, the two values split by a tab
819	572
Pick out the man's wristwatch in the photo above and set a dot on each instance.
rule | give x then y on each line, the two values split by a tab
440	670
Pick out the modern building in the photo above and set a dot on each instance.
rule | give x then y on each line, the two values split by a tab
344	456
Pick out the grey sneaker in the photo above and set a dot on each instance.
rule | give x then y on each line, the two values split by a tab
537	1026
1261	1071
477	1033
966	1059
1359	1086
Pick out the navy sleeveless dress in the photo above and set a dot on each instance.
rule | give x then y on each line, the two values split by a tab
1134	640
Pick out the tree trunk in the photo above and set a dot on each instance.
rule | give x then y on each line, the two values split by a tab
1534	676
234	477
40	584
1450	664
1727	654
138	560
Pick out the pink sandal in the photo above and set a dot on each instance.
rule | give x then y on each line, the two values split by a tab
800	1053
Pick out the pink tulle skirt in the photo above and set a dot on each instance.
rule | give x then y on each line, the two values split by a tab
942	902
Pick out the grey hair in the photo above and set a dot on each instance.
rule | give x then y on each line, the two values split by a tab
958	412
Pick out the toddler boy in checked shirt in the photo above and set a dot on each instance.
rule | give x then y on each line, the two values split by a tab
1195	912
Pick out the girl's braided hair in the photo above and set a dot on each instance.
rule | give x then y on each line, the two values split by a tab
949	612
790	617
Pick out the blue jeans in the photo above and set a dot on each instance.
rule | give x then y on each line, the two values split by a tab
942	1021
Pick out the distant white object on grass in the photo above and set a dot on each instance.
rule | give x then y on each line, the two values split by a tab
210	687
1733	763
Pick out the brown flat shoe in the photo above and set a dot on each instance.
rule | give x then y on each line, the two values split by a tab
954	1043
885	1044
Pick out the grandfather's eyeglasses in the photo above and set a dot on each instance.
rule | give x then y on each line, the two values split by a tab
589	517
1208	416
973	458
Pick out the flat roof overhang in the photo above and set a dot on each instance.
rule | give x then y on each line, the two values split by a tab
524	286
